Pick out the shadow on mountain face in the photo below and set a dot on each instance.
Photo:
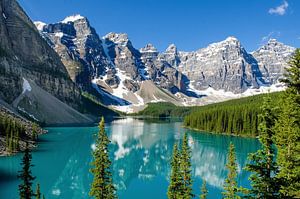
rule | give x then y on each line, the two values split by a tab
256	71
193	94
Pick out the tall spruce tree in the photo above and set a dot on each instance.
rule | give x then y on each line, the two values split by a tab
288	132
262	163
175	188
204	191
38	191
186	170
230	185
102	186
25	188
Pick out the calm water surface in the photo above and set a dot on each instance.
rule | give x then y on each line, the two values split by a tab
141	153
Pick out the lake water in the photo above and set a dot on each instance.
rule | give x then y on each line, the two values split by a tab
141	153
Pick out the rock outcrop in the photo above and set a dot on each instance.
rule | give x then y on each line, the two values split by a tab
272	59
27	59
26	54
225	65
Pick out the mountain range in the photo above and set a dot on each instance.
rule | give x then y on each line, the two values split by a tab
128	78
65	72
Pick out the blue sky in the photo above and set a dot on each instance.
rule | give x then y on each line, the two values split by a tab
190	24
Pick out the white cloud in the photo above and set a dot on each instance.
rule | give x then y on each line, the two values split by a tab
279	10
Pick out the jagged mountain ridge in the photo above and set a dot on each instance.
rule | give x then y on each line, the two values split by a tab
227	65
272	59
33	79
118	69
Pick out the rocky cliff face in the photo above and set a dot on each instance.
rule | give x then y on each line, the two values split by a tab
272	59
126	60
27	54
159	69
26	58
79	47
111	65
224	65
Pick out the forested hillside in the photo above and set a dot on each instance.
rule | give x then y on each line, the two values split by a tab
15	131
237	117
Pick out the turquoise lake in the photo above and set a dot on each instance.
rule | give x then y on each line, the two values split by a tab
141	151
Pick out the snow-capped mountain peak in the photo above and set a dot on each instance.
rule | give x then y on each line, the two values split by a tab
148	48
72	18
272	59
274	45
118	38
229	43
231	39
172	49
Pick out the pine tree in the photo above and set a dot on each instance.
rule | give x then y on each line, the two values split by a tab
102	186
10	146
25	188
17	140
7	132
175	188
38	192
204	191
185	165
34	131
287	136
262	163
230	186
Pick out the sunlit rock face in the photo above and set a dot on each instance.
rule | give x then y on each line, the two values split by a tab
124	57
26	55
160	71
224	65
272	59
79	47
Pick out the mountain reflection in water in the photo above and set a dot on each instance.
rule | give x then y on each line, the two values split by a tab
141	152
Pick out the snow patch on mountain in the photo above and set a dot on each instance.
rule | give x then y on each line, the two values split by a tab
39	25
95	85
72	18
118	38
225	95
124	109
4	16
121	91
26	86
59	34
